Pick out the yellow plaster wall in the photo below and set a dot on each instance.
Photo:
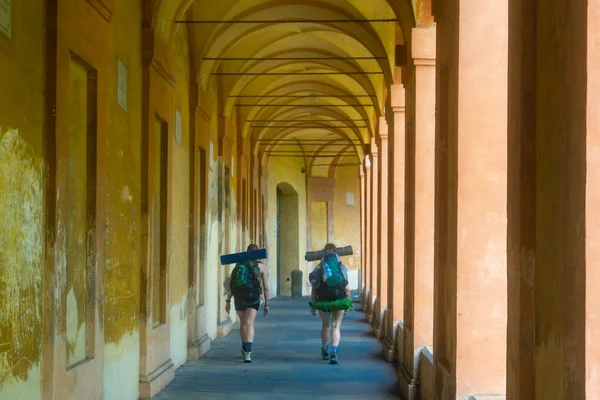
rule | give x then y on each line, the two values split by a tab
22	202
285	170
346	218
123	200
180	203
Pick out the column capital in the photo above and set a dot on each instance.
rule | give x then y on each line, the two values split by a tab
383	130
423	48
374	149
398	97
367	163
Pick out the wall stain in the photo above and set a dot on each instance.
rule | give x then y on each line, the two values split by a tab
21	257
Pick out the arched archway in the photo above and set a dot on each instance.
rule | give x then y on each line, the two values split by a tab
288	237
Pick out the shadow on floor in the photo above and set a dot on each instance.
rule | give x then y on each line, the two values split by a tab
286	362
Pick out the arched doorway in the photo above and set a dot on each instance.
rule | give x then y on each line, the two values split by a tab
287	237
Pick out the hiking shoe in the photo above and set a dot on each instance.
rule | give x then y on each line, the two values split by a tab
333	358
324	354
247	356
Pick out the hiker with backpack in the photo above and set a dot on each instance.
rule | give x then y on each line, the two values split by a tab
248	281
329	282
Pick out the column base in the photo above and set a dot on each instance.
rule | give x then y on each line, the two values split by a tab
400	341
225	327
409	386
389	337
380	325
371	308
364	301
157	380
199	348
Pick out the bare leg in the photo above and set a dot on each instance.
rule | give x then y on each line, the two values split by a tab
243	327
337	317
250	318
324	327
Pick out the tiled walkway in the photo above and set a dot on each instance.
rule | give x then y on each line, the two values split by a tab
286	362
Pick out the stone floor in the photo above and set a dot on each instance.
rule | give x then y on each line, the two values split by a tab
286	362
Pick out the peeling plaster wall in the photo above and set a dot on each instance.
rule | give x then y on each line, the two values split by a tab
346	218
21	265
123	200
22	202
285	170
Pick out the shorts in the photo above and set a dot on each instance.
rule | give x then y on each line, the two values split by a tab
326	293
243	306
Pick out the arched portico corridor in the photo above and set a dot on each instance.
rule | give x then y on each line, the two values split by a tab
286	362
454	144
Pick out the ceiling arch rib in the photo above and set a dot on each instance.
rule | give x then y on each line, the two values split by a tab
274	11
351	127
289	146
310	137
335	86
348	66
328	56
349	113
333	126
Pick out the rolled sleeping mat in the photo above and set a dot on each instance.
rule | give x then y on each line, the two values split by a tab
317	255
334	305
235	258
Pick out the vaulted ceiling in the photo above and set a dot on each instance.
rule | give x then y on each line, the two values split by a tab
305	78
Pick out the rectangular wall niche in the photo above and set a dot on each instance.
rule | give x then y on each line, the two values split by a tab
6	17
81	205
159	151
319	225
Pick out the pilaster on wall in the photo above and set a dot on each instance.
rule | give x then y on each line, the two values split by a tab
374	231
382	218
198	340
367	266
396	221
418	330
471	198
68	373
156	366
363	234
226	213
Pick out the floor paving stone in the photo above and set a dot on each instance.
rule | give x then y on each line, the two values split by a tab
286	362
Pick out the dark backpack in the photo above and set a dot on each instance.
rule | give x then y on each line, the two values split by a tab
245	281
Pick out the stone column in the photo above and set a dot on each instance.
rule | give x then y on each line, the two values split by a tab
471	198
374	257
553	217
368	227
382	251
418	330
396	192
592	201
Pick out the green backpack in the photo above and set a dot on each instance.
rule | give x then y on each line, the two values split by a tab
332	271
245	281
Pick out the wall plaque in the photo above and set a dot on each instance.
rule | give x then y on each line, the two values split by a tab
5	17
121	84
178	128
